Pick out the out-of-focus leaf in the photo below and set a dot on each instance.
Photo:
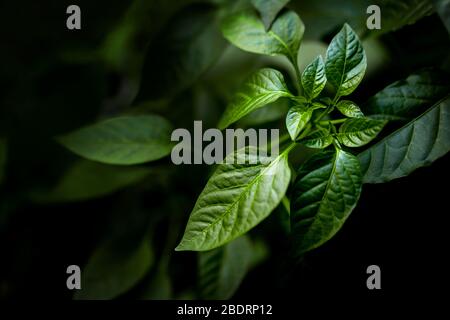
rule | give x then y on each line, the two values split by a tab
263	87
125	44
396	14
246	31
418	143
87	180
222	270
2	158
269	10
190	45
273	111
443	9
241	193
325	16
114	268
346	62
124	140
260	252
409	97
159	286
322	17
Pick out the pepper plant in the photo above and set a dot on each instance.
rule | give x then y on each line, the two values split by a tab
175	63
325	189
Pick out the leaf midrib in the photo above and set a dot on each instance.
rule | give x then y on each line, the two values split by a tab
249	186
383	141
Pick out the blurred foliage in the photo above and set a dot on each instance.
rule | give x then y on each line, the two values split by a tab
151	57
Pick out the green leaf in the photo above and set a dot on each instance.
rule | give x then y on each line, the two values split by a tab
314	78
269	10
409	97
346	62
246	31
87	180
114	268
236	198
349	109
124	140
183	52
159	287
271	112
318	105
359	132
222	270
326	190
297	118
319	139
3	152
417	144
263	87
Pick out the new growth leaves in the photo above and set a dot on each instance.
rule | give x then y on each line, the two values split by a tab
346	62
246	31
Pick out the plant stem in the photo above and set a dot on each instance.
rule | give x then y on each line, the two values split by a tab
286	204
297	73
322	114
333	121
282	139
305	132
336	98
289	148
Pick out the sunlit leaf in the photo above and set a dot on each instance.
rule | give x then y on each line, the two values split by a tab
349	108
263	87
236	198
296	119
319	139
314	78
346	62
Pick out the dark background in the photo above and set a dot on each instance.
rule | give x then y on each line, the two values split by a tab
51	84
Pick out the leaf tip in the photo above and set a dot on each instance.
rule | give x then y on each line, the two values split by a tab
180	247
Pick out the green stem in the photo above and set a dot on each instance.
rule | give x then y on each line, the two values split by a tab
336	98
333	121
286	204
288	149
297	73
282	139
305	132
322	114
